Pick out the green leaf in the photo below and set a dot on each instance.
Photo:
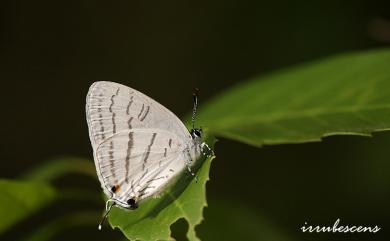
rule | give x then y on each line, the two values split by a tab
19	200
59	167
345	94
63	223
185	198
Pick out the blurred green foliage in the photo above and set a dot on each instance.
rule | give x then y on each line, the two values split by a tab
19	200
230	221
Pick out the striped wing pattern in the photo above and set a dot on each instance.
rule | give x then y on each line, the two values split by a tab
138	144
112	107
138	162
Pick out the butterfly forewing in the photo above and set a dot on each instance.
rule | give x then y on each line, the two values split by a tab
113	107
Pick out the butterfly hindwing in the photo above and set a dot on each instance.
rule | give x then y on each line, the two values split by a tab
131	160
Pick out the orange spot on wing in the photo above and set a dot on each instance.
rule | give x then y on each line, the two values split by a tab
117	188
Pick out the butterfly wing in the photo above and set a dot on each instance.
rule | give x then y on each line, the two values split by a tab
112	107
137	163
126	128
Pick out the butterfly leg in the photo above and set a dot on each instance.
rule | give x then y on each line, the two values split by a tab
192	173
206	150
188	164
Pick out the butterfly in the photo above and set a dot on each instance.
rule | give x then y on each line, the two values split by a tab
138	145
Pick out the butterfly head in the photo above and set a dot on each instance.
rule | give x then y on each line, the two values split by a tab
196	133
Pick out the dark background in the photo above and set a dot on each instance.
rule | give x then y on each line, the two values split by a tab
51	51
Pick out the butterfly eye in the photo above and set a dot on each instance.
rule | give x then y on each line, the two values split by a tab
196	133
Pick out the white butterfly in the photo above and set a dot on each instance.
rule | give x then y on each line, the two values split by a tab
139	145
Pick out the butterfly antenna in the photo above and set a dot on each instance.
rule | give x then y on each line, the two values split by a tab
195	97
108	209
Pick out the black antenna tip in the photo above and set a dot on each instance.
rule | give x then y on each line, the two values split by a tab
195	95
196	91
